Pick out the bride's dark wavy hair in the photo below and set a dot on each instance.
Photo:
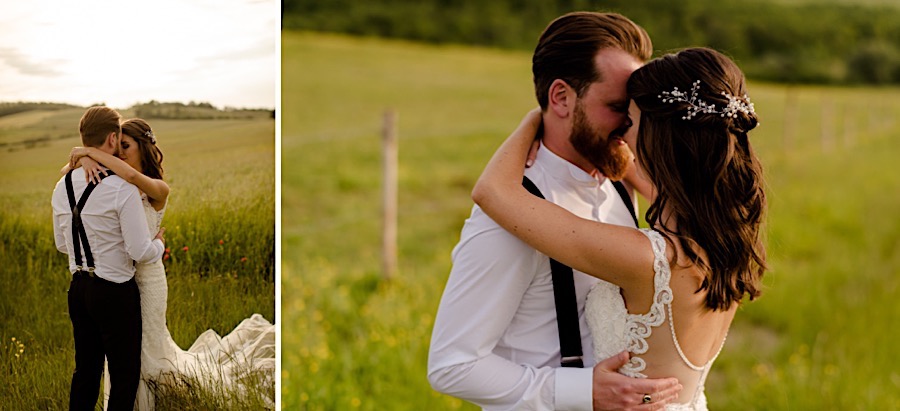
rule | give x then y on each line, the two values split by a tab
705	171
151	155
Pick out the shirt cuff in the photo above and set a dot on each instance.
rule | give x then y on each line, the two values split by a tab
161	246
574	389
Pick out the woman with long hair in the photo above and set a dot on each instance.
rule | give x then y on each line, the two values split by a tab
670	292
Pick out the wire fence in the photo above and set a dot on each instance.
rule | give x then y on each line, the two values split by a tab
811	122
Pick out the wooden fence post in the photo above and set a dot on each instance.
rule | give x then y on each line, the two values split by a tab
849	125
872	124
389	195
828	125
790	118
889	117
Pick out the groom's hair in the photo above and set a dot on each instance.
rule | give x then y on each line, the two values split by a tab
96	124
567	47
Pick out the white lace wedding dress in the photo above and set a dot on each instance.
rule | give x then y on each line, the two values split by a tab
221	362
614	330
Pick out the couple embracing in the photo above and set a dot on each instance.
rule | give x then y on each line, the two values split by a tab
107	214
563	303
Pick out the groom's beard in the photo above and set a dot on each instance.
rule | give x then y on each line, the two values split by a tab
608	154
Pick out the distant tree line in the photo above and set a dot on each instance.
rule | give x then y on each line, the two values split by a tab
195	111
153	109
778	41
10	108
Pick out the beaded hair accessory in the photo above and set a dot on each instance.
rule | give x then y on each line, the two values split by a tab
149	134
735	104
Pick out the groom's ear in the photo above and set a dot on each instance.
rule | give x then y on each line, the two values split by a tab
112	140
561	98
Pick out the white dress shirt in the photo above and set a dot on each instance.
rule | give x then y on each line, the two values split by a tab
115	224
495	340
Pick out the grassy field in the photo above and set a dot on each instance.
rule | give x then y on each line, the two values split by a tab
220	231
821	337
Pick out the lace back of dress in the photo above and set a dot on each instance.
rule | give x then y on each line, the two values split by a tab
662	307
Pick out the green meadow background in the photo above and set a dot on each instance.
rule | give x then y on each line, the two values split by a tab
821	337
219	223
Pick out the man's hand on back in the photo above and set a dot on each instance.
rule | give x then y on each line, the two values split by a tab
614	391
159	235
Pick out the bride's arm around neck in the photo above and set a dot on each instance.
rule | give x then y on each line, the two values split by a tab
157	190
620	255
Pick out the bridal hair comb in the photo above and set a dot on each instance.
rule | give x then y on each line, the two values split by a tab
149	134
735	104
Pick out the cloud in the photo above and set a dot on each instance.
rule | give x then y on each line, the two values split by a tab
263	49
19	61
206	52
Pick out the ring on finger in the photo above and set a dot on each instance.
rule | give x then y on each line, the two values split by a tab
646	399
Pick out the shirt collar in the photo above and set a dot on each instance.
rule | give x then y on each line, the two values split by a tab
564	170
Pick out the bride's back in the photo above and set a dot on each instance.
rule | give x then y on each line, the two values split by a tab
699	333
693	145
676	304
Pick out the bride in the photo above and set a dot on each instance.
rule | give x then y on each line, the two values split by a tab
213	360
671	291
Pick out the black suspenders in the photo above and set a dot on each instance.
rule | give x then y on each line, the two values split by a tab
78	233
564	293
620	188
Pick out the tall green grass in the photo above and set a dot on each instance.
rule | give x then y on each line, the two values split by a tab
220	233
821	337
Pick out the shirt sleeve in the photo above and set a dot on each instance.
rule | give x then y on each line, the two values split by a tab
491	272
138	243
59	236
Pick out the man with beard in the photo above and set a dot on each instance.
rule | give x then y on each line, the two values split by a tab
495	341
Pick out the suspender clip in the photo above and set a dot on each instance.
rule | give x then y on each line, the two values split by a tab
573	362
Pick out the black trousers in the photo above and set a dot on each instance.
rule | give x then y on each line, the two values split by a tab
106	319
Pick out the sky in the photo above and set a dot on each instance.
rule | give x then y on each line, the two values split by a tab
124	52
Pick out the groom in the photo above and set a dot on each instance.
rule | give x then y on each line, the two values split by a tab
495	340
103	230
